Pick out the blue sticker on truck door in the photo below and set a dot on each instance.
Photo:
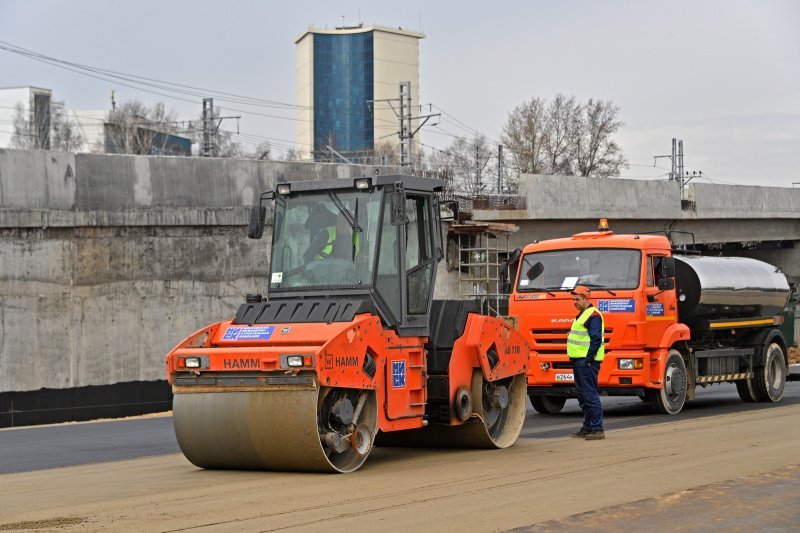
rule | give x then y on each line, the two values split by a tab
243	333
655	309
617	306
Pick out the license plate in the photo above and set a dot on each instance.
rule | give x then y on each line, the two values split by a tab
564	377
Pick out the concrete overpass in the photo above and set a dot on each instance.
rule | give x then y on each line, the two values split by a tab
760	222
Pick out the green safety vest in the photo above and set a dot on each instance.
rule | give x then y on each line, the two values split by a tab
328	249
578	339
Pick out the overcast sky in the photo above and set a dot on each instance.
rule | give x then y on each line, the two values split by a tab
724	76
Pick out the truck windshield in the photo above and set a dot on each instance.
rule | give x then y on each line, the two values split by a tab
595	268
316	246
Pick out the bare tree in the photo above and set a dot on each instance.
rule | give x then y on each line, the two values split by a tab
386	153
59	132
263	150
290	155
563	115
524	134
65	135
23	137
594	151
564	137
135	128
469	163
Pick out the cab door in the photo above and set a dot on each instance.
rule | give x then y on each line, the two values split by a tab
660	306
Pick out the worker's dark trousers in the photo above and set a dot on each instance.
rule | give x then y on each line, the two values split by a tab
588	395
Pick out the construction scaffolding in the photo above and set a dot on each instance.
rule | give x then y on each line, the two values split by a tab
478	250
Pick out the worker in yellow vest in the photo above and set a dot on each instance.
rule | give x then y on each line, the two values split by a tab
586	352
336	239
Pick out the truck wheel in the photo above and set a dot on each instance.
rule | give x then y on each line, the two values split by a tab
770	380
548	405
671	398
745	389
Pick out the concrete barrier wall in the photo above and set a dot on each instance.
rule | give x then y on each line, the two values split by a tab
107	262
574	197
739	201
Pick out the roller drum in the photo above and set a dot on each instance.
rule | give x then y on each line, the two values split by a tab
484	429
262	430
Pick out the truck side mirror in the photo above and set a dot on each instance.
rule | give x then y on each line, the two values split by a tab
258	216
508	267
666	284
668	267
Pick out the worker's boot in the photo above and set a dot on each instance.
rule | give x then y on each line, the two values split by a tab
581	433
595	435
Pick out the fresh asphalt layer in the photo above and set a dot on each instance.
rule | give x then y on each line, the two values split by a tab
38	448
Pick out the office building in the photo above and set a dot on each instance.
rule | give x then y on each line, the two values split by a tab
339	73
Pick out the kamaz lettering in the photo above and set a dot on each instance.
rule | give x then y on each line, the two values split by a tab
240	363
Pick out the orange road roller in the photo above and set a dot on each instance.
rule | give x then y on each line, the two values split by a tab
349	349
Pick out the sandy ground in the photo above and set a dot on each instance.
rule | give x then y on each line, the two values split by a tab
794	356
535	481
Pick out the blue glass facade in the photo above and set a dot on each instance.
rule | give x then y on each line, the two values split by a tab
343	83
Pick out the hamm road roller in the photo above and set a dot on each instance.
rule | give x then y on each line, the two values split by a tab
348	348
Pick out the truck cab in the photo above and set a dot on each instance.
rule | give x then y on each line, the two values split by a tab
624	273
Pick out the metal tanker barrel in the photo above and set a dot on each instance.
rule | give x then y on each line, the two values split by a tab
713	288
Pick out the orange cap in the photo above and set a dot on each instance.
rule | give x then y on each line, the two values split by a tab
582	290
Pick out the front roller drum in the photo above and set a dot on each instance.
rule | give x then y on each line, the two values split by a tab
310	430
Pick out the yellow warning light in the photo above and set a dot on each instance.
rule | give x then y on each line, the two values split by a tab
603	226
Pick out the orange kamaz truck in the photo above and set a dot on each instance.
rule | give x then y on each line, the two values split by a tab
673	321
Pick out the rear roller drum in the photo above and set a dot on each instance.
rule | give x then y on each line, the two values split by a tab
496	419
315	430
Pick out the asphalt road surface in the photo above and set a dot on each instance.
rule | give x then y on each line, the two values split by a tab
722	464
42	447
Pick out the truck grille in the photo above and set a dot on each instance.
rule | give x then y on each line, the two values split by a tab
554	341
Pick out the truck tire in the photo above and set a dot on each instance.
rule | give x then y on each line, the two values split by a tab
770	380
671	398
547	405
745	389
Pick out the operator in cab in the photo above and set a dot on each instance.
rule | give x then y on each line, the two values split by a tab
333	238
586	352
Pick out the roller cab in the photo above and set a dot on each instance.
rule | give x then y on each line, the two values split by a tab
348	345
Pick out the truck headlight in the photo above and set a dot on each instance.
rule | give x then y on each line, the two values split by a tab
629	364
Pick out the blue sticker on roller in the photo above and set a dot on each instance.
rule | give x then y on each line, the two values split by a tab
398	374
617	306
257	333
655	309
